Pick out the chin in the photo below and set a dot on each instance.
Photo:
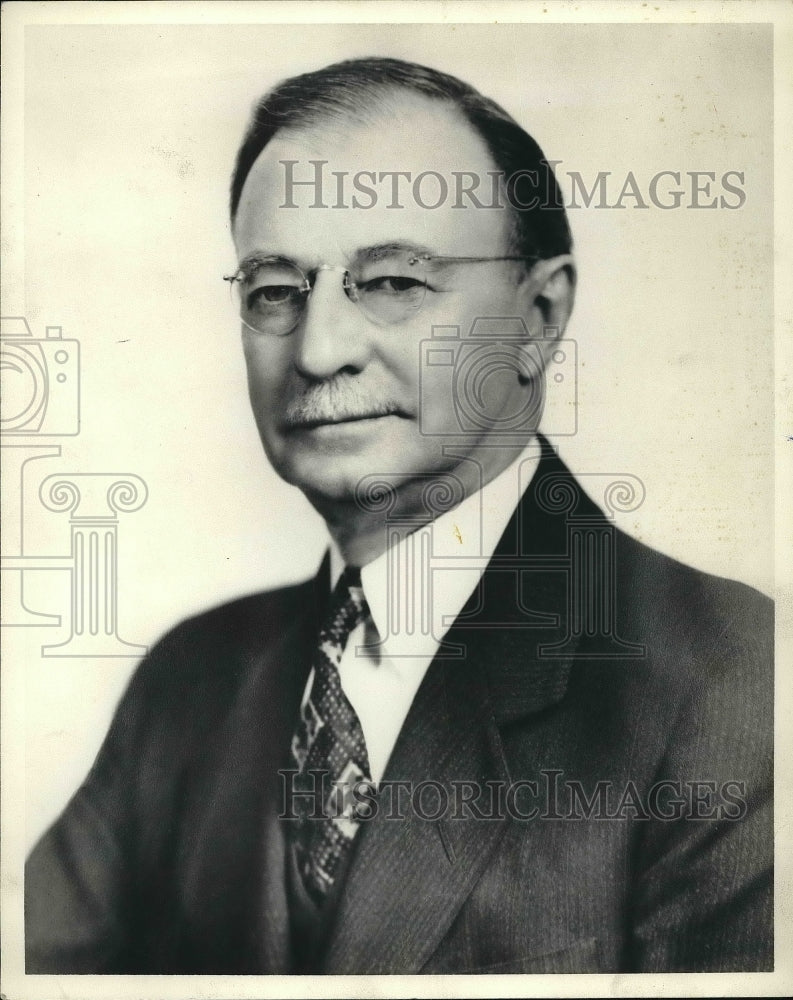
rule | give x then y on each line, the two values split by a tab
332	468
331	478
338	479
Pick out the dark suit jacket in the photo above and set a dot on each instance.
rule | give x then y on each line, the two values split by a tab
171	858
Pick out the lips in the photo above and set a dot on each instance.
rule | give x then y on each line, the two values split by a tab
334	419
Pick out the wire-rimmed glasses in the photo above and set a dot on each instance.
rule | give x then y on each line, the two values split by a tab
388	288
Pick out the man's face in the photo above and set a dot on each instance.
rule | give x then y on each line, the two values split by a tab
338	397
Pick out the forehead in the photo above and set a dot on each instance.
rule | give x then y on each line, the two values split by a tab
397	154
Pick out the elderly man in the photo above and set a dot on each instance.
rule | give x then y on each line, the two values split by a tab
495	733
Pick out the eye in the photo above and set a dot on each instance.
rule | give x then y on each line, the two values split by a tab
392	284
266	295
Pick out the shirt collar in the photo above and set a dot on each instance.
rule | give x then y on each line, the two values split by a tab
449	555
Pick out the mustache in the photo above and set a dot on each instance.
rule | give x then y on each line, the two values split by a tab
335	401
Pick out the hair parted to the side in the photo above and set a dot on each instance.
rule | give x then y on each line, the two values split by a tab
354	88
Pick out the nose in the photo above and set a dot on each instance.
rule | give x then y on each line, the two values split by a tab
333	335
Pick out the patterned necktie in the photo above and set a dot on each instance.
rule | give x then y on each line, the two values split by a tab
329	738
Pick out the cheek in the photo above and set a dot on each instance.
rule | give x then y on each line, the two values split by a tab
394	365
268	364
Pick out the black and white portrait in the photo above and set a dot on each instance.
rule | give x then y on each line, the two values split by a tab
389	540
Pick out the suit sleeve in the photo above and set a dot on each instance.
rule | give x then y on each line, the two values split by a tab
79	878
705	883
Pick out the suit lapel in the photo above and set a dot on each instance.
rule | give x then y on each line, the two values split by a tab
233	876
411	875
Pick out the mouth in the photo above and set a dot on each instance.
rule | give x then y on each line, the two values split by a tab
337	420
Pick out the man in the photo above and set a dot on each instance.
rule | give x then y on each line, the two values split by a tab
512	739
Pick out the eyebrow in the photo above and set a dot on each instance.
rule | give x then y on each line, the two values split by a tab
372	254
380	250
258	257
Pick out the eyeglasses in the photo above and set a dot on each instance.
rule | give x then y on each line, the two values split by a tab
388	288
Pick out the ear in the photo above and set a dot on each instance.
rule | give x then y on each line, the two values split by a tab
549	294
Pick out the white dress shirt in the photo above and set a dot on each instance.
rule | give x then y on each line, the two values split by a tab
415	591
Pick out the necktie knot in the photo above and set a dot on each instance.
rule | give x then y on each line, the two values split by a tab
347	609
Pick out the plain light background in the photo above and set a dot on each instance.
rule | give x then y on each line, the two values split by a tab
130	133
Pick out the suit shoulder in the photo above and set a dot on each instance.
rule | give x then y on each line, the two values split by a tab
696	615
252	615
207	654
689	586
660	599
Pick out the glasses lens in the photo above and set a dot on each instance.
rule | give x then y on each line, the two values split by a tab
390	289
272	297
